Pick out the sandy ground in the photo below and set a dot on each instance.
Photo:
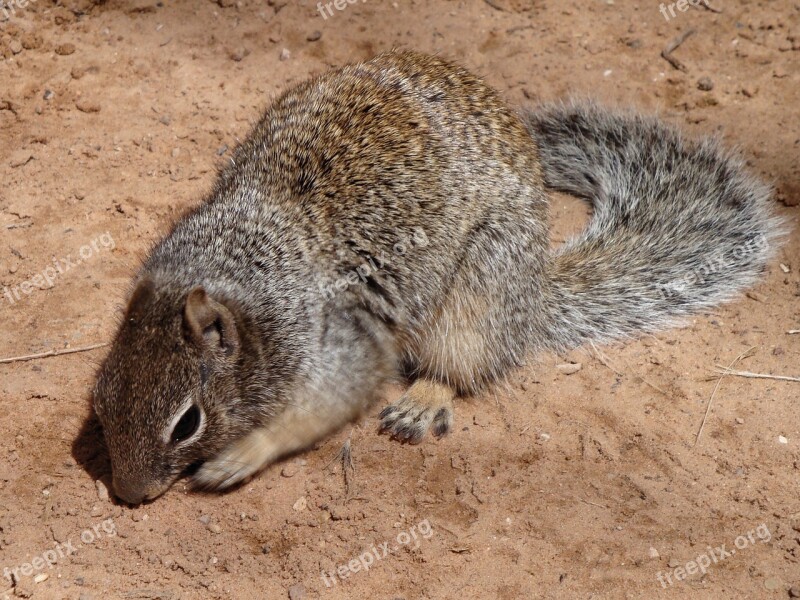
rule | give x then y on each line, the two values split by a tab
114	118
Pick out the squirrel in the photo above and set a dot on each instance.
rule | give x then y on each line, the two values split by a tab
389	220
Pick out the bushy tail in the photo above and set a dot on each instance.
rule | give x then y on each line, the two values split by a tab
678	226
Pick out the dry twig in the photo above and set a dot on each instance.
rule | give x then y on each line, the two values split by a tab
666	53
50	353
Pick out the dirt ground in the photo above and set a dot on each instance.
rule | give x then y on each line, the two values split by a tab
583	481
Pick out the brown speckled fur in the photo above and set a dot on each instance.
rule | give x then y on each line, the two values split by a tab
391	217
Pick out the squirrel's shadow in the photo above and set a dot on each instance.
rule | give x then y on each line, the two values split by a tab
89	450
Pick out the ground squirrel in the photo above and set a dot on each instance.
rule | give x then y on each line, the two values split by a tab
390	219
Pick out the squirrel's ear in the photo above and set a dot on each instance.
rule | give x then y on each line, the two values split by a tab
208	323
145	290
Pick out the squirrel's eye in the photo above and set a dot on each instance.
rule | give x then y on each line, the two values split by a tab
187	425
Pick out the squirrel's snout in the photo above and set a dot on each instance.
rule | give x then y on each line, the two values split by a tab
136	493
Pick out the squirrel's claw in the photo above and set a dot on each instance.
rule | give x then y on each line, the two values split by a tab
425	406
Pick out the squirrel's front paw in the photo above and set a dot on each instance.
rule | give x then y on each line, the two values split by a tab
234	464
425	405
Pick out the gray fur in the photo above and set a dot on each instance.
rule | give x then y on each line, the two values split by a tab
238	308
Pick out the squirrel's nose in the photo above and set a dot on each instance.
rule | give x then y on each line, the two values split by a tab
132	494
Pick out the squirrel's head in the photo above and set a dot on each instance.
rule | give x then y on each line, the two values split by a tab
167	393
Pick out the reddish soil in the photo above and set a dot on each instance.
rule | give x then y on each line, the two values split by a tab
113	120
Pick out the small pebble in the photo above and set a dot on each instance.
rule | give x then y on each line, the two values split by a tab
782	440
289	470
705	84
20	158
301	504
654	553
102	490
48	95
65	49
285	54
673	563
313	37
794	591
773	583
40	578
784	268
569	368
297	592
204	519
238	54
214	528
15	46
739	421
87	106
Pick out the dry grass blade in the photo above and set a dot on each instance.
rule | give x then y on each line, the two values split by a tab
743	355
723	371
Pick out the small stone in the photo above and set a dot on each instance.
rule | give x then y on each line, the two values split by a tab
301	504
204	519
65	49
40	578
285	54
749	91
782	440
654	553
673	563
102	490
544	437
31	41
773	583
756	296
705	84
739	421
785	268
569	368
15	46
289	470
794	591
87	106
20	158
214	528
48	95
238	54
265	548
315	36
297	592
164	120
